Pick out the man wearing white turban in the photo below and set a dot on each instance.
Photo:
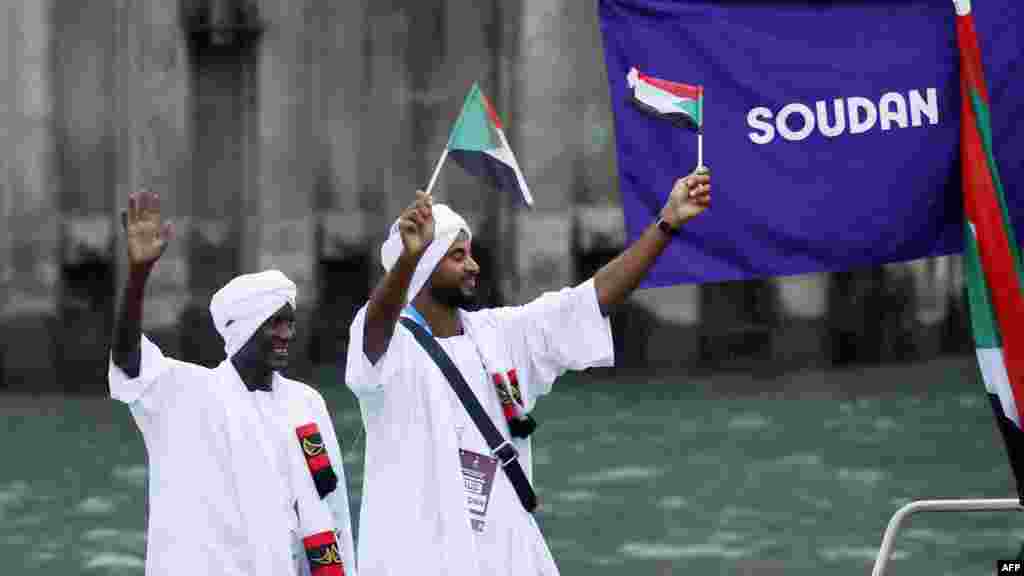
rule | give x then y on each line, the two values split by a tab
245	470
432	482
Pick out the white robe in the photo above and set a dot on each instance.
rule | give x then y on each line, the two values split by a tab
414	518
221	468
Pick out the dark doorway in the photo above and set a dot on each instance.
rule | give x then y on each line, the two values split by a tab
224	121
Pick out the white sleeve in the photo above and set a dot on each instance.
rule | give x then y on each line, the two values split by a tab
557	332
338	500
141	391
361	376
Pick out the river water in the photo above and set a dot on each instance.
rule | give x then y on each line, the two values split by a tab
725	474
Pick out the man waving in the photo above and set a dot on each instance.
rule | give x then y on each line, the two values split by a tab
245	471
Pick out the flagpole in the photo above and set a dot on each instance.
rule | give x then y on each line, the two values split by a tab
701	168
437	170
700	150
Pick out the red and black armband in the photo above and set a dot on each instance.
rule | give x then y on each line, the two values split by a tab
323	554
317	460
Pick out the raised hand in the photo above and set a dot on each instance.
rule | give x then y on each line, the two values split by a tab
690	196
416	224
146	234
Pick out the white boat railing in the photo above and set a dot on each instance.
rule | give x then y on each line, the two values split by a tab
975	505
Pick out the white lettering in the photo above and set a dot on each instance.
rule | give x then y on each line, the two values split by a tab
782	121
853	115
823	125
859	124
887	115
919	105
756	120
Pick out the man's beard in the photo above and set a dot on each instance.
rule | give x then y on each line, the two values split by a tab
453	296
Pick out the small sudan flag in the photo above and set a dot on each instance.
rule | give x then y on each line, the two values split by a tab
992	261
680	104
478	144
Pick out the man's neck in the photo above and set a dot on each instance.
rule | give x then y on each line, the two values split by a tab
443	320
252	376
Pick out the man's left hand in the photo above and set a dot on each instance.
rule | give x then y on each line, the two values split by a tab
690	196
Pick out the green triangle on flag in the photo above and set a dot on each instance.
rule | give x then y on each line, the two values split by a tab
691	108
473	129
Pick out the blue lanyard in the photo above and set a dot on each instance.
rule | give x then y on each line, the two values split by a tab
416	317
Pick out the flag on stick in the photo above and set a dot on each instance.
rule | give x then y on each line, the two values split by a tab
681	104
478	144
992	263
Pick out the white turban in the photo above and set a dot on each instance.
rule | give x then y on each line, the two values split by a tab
244	303
447	225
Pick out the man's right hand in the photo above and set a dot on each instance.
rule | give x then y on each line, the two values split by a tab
146	236
146	233
416	225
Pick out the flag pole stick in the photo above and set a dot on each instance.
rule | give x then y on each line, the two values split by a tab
437	170
700	150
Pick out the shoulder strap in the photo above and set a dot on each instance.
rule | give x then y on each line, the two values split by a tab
502	449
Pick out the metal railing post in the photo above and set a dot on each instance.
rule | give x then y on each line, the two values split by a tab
968	505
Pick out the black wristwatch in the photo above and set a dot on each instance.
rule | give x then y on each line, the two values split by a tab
667	228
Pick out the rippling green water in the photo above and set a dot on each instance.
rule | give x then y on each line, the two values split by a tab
720	475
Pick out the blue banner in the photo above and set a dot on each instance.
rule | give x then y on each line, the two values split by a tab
831	129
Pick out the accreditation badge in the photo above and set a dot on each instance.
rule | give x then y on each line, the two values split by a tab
478	472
